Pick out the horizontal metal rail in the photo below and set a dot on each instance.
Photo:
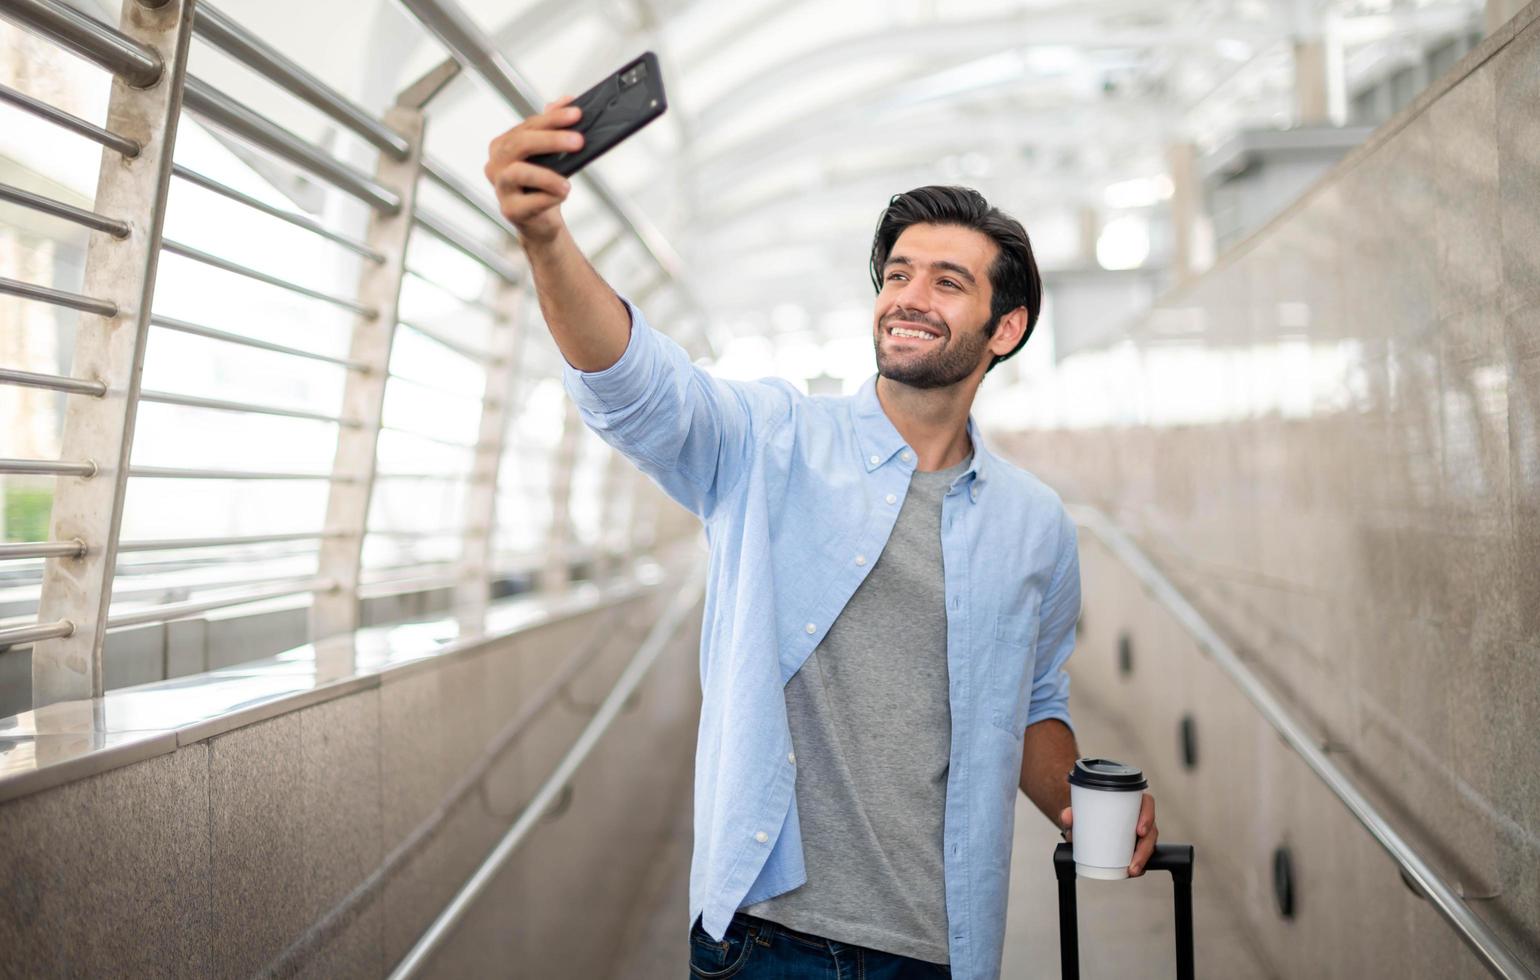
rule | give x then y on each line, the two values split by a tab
225	405
297	220
657	640
179	473
42	549
468	246
64	120
179	610
438	389
199	330
198	255
426	477
464	350
267	61
47	467
58	297
430	437
58	209
473	48
444	532
13	636
469	302
54	382
481	203
218	108
89	38
191	544
1476	934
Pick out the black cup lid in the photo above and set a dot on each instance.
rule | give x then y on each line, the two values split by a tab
1106	774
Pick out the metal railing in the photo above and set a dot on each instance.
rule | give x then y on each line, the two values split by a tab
149	53
1489	948
658	638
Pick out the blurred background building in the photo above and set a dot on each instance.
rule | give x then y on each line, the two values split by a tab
313	588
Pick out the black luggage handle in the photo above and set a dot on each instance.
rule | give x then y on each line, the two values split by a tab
1175	858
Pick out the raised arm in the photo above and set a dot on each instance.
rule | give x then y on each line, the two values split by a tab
685	428
588	321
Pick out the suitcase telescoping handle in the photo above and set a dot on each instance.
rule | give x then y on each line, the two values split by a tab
1175	858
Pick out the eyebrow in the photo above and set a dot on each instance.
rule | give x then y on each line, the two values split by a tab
960	270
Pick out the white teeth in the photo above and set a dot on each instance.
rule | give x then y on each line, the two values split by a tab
904	332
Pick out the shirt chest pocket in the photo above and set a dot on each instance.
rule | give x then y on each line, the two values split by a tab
1013	649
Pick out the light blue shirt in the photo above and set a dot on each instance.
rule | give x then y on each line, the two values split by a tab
798	496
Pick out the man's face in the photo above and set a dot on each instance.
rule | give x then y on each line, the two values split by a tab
933	307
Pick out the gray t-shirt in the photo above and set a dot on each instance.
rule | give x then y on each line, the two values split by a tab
871	726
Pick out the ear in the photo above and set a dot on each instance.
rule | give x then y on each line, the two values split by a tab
1009	332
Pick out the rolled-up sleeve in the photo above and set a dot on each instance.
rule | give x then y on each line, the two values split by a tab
623	382
1056	632
683	427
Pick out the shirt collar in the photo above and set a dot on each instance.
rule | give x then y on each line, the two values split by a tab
880	441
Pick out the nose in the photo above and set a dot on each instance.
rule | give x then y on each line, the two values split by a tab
914	295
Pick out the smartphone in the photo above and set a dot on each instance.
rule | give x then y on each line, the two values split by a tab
612	110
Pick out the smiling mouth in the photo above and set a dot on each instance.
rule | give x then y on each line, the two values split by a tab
907	332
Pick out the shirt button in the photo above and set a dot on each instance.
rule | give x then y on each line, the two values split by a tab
761	836
811	628
791	757
876	460
860	559
890	498
906	457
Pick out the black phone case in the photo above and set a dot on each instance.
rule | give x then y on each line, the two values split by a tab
612	111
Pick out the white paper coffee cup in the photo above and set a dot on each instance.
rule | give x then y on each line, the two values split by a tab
1105	797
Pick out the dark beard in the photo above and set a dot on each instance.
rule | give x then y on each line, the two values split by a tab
958	358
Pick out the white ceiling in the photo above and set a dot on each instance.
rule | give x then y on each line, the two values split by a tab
791	122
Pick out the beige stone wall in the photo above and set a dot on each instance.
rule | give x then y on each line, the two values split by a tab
220	859
1377	557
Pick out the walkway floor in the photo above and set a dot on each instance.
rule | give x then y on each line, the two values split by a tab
1126	927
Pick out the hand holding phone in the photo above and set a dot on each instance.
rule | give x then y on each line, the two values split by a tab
612	110
529	164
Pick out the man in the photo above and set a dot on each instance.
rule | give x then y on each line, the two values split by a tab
889	605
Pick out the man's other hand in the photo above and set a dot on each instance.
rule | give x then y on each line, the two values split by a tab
1144	844
530	196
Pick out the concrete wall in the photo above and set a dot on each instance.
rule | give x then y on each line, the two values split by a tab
1373	546
225	857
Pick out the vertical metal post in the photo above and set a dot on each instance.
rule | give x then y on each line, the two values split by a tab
363	397
111	350
557	571
473	584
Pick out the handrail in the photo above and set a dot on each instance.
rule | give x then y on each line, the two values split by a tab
297	220
68	212
1488	947
240	269
15	636
450	24
176	610
226	336
58	297
92	40
53	382
646	655
64	120
239	43
220	109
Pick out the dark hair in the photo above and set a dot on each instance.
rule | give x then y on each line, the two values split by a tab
1013	277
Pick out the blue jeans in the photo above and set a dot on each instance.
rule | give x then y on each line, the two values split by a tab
758	949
